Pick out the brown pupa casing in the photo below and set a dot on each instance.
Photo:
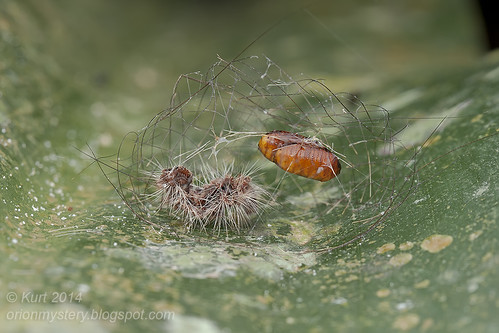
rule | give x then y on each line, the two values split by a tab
299	155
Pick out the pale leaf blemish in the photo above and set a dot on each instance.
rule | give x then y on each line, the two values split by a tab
339	300
403	306
301	232
474	283
477	118
382	293
475	235
436	243
400	259
340	272
385	248
423	284
351	278
427	324
420	200
481	190
487	256
406	322
406	246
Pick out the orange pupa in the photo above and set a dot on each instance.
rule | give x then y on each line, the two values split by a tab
300	155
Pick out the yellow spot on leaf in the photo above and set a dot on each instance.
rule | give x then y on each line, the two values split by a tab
476	118
383	293
487	256
422	284
351	278
385	248
406	322
340	272
427	324
475	235
436	243
400	259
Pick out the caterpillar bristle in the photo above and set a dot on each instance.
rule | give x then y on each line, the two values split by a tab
221	200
